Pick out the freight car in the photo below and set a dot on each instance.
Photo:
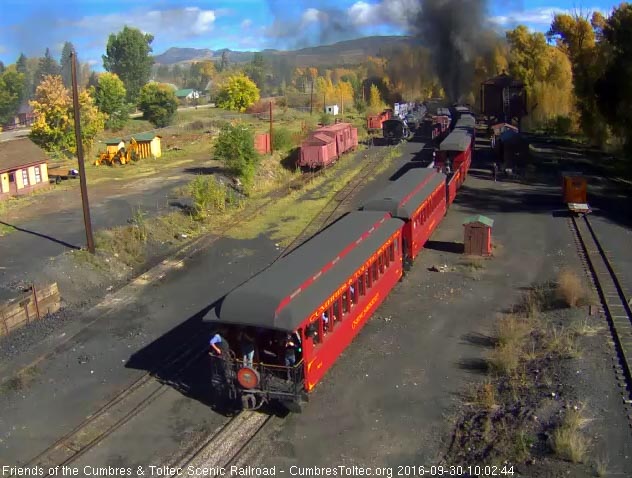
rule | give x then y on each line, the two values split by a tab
284	328
326	144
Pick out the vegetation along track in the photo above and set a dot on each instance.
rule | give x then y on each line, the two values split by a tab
613	300
338	202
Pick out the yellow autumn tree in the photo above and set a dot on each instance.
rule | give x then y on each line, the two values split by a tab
375	100
54	127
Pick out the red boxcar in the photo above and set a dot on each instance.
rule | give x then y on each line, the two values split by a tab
317	151
341	133
319	295
419	198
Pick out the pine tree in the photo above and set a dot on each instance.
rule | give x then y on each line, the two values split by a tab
66	64
21	67
47	66
223	64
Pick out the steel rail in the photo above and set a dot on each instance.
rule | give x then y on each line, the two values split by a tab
611	294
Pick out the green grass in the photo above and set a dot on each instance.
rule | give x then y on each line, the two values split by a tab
283	220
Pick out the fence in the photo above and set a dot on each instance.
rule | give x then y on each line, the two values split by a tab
28	307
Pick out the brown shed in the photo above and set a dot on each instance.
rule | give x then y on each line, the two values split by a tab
574	188
478	235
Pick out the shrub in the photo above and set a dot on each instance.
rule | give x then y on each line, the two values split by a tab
209	195
567	439
326	119
283	139
570	287
158	104
235	147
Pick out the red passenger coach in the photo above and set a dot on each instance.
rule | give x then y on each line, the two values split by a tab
304	310
456	150
419	198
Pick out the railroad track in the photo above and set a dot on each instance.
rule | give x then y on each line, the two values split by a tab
613	301
225	447
119	410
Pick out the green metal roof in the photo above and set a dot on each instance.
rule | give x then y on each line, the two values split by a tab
144	136
184	93
113	141
478	218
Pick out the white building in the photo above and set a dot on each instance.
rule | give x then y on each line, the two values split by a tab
331	110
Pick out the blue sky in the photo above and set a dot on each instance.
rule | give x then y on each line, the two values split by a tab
30	26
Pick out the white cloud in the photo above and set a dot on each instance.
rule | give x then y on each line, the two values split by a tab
392	12
311	15
246	24
540	16
176	23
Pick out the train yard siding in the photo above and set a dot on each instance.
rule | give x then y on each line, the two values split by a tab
95	366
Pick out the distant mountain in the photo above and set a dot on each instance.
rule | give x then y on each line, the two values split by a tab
344	52
179	55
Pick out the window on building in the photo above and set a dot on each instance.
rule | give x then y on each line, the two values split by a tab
25	177
11	177
38	175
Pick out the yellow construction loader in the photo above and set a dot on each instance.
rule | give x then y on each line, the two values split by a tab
122	156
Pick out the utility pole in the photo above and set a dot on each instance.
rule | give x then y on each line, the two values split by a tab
311	99
82	168
271	151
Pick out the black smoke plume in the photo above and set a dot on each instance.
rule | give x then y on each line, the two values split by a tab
330	25
455	32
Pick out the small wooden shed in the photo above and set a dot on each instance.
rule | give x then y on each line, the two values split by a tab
112	146
262	143
574	188
478	235
148	145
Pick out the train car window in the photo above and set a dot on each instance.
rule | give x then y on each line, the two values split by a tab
345	302
397	244
380	263
354	292
386	261
369	277
374	269
391	250
336	311
312	331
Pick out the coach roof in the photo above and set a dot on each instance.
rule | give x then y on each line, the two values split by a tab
458	140
403	196
284	295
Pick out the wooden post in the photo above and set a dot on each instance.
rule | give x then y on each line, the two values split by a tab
311	99
271	149
37	311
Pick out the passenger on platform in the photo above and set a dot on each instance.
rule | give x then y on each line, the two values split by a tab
290	353
218	344
247	343
495	170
